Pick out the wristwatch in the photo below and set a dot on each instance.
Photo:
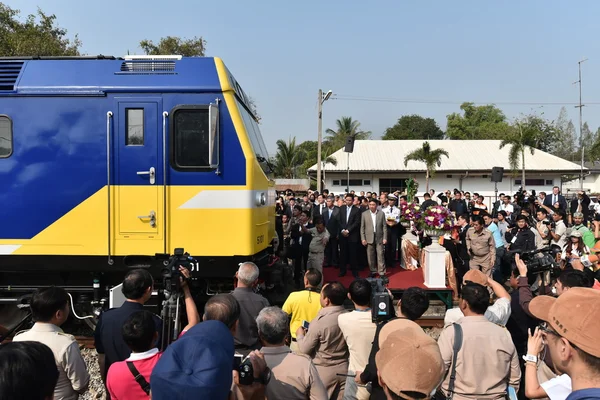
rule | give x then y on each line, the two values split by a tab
530	358
265	377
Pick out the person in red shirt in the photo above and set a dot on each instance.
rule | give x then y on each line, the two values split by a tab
139	332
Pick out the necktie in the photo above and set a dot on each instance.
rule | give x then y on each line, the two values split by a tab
348	214
553	199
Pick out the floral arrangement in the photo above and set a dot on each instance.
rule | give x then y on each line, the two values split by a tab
412	187
412	212
437	218
403	208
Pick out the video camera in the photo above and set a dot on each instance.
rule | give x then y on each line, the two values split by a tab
382	304
171	273
540	261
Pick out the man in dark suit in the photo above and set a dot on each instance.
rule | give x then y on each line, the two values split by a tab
319	207
556	197
301	237
581	204
349	235
331	220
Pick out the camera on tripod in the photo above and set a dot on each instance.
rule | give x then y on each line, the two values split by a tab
171	273
382	304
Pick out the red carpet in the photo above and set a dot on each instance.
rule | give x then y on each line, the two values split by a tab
400	278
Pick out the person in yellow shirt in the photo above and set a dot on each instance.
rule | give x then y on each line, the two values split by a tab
304	304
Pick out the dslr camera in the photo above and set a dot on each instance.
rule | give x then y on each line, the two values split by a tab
382	304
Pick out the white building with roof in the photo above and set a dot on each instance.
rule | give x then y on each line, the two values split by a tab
378	165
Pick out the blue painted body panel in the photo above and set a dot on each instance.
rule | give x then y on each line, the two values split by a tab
59	142
51	76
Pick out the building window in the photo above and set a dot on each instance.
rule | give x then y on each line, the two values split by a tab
367	182
336	182
134	135
191	127
391	185
532	182
6	146
353	182
551	182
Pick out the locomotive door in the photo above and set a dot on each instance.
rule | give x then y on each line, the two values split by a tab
139	176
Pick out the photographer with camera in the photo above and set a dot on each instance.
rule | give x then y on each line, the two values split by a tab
542	230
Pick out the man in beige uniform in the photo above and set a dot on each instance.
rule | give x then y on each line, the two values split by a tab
50	309
487	362
324	340
481	247
294	376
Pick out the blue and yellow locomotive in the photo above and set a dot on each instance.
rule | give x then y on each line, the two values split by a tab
105	162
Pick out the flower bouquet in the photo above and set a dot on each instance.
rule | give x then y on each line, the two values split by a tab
412	213
436	221
404	221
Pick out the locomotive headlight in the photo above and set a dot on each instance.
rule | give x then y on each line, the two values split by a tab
261	199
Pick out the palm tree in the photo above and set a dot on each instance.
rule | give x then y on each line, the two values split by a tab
346	126
326	158
288	158
524	134
430	157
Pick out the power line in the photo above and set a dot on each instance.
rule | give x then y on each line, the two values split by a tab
434	101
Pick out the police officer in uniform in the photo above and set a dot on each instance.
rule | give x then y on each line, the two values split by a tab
50	309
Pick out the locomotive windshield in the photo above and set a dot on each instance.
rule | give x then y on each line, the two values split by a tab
258	145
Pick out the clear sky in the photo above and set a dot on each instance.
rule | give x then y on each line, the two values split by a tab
282	52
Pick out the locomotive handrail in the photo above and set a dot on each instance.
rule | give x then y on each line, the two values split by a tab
109	115
165	116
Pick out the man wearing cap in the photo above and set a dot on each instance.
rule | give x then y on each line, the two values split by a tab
409	363
199	365
498	313
578	225
487	361
571	323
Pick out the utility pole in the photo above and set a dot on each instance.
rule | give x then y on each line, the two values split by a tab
580	106
321	99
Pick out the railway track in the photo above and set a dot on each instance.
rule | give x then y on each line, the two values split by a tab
87	342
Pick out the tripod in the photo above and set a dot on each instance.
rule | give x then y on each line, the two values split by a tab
171	318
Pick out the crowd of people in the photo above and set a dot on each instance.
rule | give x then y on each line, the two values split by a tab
521	329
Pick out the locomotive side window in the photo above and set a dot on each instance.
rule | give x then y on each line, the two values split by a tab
135	127
6	146
191	138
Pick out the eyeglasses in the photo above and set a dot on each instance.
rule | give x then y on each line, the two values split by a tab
545	328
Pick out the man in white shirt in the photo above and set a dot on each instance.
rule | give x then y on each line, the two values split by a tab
498	313
559	230
358	330
50	309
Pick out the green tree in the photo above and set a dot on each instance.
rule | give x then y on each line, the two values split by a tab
288	159
589	139
37	35
565	131
526	134
478	122
311	150
430	157
194	47
414	127
346	126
